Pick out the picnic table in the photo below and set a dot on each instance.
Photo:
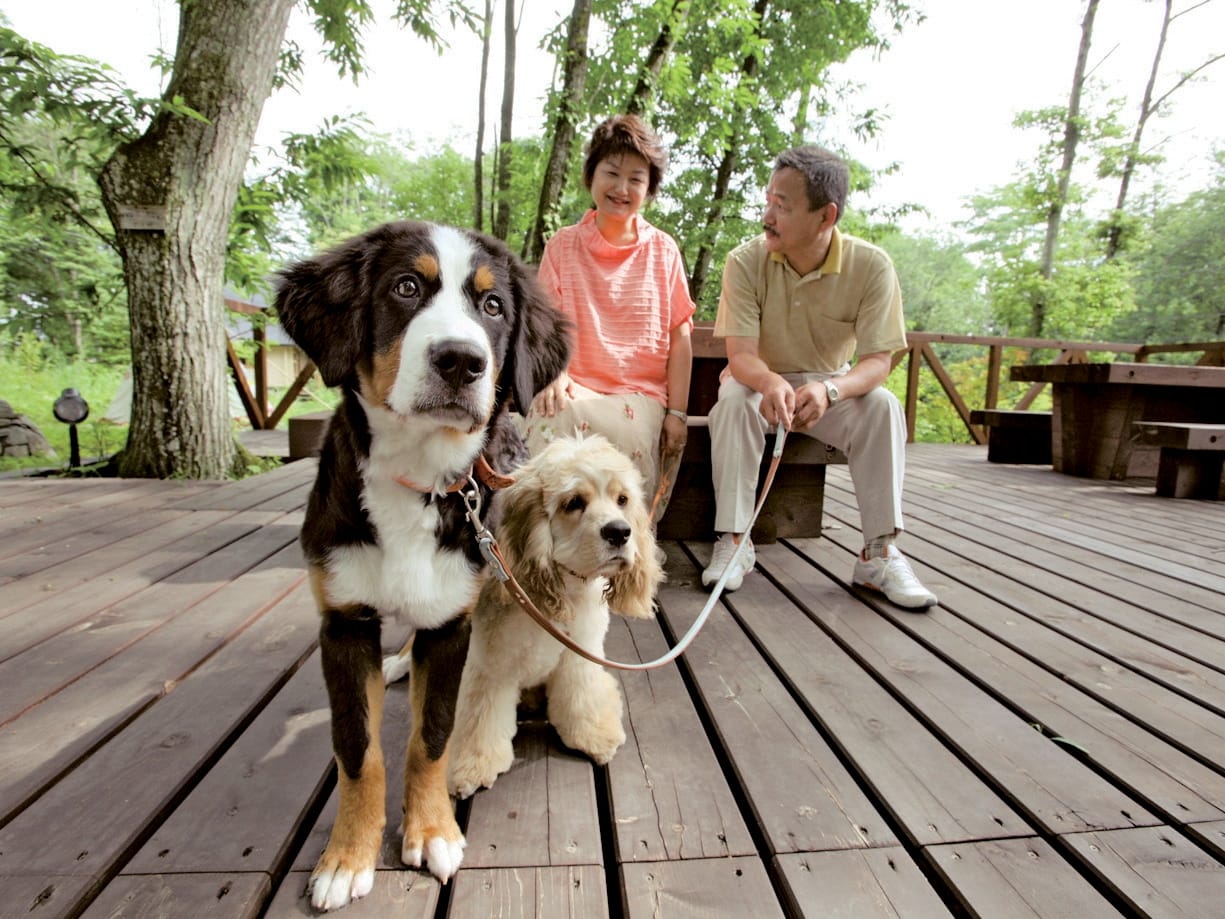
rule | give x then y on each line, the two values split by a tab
1095	404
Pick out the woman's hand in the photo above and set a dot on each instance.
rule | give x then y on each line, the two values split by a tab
553	398
673	436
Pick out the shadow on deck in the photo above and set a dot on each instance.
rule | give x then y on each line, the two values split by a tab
1047	742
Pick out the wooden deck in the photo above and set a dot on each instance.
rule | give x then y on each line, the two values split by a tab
1049	742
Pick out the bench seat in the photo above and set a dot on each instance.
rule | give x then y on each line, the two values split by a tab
1016	436
1192	459
306	433
792	509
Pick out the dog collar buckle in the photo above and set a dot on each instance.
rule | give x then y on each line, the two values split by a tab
484	539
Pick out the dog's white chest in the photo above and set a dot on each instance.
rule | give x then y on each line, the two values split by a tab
407	574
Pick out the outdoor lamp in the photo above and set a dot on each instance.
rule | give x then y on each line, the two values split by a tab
71	409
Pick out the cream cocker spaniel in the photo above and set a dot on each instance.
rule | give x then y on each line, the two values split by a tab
576	535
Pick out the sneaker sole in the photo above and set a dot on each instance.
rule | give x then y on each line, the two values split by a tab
925	605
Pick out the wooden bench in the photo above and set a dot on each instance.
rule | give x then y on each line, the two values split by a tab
1016	436
793	507
1192	459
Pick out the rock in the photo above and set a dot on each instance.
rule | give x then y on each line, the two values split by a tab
19	436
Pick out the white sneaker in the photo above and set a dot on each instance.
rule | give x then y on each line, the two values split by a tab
725	548
893	577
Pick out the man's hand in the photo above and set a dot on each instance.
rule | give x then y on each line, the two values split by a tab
553	398
811	402
778	402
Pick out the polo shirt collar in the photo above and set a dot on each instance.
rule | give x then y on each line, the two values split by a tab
833	258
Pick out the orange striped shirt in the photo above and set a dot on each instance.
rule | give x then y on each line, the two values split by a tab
624	302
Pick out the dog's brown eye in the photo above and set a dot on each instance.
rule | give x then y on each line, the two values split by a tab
623	500
493	306
575	504
408	288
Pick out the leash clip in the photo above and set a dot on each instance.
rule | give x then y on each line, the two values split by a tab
484	539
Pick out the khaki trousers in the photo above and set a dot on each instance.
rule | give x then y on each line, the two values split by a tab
869	429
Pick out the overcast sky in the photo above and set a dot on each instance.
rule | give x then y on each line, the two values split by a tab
950	87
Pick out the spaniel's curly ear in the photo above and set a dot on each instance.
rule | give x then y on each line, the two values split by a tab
527	545
632	592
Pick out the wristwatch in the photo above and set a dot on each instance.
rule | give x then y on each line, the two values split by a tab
832	388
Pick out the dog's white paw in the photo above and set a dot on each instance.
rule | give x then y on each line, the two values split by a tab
599	742
396	667
442	856
336	885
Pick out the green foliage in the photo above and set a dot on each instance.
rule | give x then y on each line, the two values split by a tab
1179	274
941	288
35	375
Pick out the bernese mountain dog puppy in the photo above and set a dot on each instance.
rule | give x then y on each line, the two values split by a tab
432	334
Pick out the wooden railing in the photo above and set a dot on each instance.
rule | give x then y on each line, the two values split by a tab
920	349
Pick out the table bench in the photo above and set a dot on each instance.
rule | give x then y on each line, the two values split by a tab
1015	436
306	433
793	507
1095	404
1192	459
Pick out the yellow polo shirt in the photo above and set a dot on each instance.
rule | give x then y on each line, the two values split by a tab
817	322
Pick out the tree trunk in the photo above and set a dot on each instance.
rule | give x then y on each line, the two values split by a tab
501	223
478	171
569	110
654	63
1071	135
723	178
170	195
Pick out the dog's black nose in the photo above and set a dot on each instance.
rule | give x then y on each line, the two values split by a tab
616	533
459	363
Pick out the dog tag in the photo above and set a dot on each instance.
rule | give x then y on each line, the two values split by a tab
486	546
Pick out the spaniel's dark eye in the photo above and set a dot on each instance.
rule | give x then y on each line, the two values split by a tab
575	504
408	288
493	306
623	500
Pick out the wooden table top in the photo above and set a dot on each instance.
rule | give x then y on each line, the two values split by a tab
1146	374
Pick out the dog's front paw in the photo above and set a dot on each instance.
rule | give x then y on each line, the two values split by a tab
438	848
469	772
599	741
340	877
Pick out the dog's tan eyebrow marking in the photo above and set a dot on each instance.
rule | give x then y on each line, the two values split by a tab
483	280
428	266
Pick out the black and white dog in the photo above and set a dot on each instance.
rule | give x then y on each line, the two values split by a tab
433	334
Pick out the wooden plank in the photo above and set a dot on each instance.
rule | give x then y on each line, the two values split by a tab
113	571
698	888
802	797
670	798
48	739
88	822
1210	835
864	884
39	671
403	894
1155	869
576	891
1036	775
248	807
1040	628
926	788
1017	879
1122	372
1185	435
1134	757
30	557
183	896
541	812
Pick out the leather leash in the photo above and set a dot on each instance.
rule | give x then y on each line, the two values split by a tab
492	553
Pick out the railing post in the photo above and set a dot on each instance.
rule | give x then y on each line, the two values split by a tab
912	391
995	358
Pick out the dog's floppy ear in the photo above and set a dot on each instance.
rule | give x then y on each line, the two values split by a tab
632	592
322	304
540	350
527	545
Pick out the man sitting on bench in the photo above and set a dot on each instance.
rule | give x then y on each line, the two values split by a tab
796	304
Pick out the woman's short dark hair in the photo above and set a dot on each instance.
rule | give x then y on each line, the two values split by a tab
826	175
626	134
